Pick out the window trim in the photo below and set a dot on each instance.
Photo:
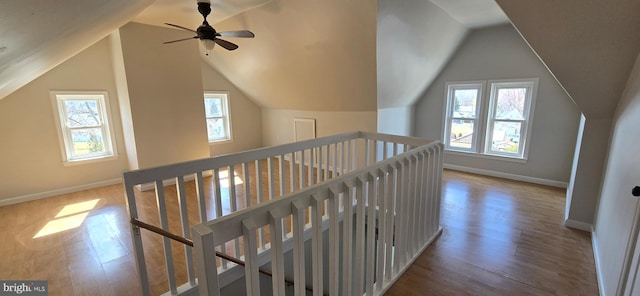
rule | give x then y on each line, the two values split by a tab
479	85
226	115
58	98
482	143
532	85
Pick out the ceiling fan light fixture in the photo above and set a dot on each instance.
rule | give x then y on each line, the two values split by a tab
208	44
208	35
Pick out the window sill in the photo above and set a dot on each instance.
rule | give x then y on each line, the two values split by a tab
89	160
224	141
486	156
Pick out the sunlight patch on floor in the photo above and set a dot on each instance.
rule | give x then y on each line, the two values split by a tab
70	217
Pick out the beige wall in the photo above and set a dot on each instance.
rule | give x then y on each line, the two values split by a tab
30	156
307	55
615	213
165	95
246	116
277	125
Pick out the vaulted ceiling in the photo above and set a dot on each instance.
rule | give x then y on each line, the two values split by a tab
315	55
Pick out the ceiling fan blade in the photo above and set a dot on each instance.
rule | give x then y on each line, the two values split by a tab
183	39
239	33
226	44
180	27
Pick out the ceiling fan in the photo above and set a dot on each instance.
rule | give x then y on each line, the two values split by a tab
208	35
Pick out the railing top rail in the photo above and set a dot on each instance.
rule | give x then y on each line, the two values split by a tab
142	176
413	141
260	212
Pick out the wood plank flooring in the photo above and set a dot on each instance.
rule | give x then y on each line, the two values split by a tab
500	238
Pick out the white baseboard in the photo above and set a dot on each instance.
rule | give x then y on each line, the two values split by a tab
40	195
578	225
596	257
507	176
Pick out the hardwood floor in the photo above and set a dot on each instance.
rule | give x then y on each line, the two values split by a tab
500	238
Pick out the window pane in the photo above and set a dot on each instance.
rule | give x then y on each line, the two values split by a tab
464	103
213	107
461	133
510	103
82	113
215	129
506	137
87	141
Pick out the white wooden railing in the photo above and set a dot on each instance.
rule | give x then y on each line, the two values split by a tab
388	185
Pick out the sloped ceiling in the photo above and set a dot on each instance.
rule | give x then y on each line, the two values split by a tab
473	13
185	12
37	35
307	55
589	45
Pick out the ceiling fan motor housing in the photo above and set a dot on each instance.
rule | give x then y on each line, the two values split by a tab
204	8
205	31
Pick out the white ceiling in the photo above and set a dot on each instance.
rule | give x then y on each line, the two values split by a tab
473	13
37	35
185	12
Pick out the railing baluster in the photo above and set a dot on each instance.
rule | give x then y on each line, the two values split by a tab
438	183
202	205
184	221
252	277
343	164
218	198
298	248
328	162
336	168
246	171
359	263
277	254
310	168
292	172
381	227
349	157
270	176
319	165
302	175
316	244
390	184
261	236
411	180
347	239
422	200
282	177
334	242
233	199
397	217
371	194
367	152
166	242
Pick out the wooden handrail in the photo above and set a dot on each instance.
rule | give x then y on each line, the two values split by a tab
189	242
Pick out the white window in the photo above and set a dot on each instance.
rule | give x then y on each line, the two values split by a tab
499	126
463	115
83	121
216	106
